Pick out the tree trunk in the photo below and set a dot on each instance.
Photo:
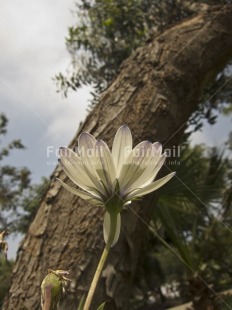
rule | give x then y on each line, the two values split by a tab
155	93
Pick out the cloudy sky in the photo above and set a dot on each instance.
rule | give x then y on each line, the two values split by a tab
32	51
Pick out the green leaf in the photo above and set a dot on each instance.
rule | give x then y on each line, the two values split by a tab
101	307
82	303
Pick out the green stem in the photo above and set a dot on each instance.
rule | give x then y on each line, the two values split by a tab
105	253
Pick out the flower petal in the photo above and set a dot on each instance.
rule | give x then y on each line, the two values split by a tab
157	149
135	165
73	167
157	166
106	228
105	165
149	173
122	146
151	187
84	195
89	160
86	142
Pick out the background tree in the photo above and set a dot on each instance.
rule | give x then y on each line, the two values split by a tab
155	93
13	181
190	223
19	200
30	205
107	32
5	274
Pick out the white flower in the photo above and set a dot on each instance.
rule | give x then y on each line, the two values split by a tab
113	178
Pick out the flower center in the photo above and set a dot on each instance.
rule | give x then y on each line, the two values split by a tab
114	204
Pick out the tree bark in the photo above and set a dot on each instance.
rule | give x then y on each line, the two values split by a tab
155	93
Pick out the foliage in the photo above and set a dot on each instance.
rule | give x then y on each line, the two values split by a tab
30	205
228	299
191	220
13	181
216	99
108	31
19	199
5	273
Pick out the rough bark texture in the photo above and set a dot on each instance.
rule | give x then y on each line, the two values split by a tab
155	93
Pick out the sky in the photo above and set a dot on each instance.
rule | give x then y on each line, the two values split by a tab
32	38
32	51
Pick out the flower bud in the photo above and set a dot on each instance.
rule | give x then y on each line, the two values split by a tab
52	289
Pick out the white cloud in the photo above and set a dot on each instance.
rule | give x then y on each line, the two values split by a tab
32	36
